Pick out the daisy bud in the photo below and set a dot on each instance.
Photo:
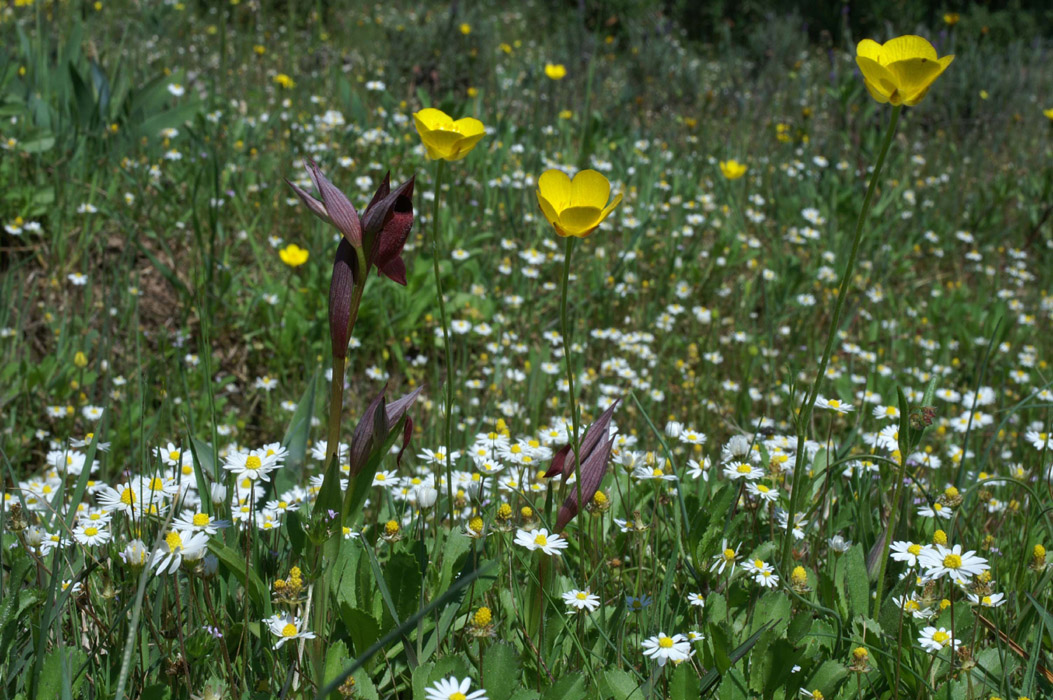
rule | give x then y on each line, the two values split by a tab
218	493
426	496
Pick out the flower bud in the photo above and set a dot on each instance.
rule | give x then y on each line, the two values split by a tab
426	496
218	492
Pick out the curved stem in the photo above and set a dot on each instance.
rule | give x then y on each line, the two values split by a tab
447	425
806	410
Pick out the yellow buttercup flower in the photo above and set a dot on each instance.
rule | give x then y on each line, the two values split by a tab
293	255
951	18
575	207
1048	113
445	138
901	70
285	81
733	169
555	71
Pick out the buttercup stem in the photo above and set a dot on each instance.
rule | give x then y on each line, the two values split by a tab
565	329
440	168
805	416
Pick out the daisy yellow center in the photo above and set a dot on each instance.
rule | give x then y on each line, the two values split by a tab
174	541
941	637
834	403
69	460
541	540
952	561
729	554
582	595
914	549
289	630
91	531
986	600
657	472
156	484
174	456
890	411
127	497
743	469
758	563
200	519
458	696
381	477
665	642
938	507
187	470
763	489
253	462
95	516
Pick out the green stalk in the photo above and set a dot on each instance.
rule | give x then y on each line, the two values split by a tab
566	330
900	476
440	168
806	410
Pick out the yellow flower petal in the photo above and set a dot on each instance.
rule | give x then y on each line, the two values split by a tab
914	75
469	127
904	48
879	78
590	188
554	186
579	220
868	48
429	119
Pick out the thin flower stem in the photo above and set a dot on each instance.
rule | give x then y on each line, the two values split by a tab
440	169
805	416
567	332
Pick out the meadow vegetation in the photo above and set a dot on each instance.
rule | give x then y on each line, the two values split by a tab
313	314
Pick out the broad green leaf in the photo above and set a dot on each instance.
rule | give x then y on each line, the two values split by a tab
500	671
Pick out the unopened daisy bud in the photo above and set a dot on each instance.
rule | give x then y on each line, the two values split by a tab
526	512
426	497
673	429
799	578
134	554
80	360
218	493
939	537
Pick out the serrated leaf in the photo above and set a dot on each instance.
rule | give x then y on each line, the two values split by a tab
500	671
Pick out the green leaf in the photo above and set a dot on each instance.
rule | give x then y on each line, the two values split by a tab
402	577
827	678
856	581
299	429
684	683
568	687
773	608
500	671
336	657
364	630
235	563
51	680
